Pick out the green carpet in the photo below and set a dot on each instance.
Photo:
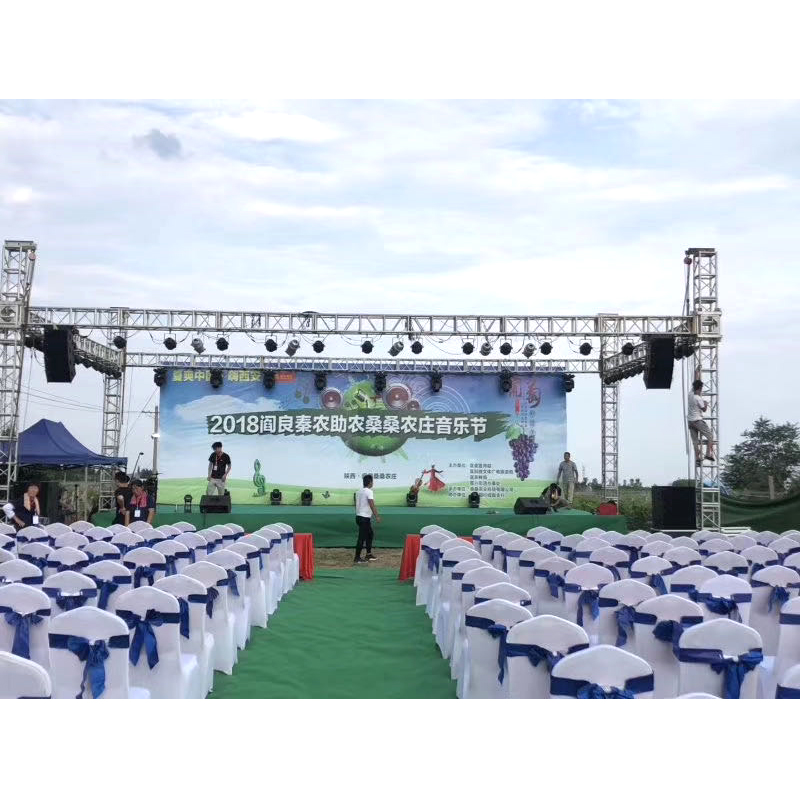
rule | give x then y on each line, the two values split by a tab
351	633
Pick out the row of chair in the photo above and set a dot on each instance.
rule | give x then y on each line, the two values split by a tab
609	602
152	615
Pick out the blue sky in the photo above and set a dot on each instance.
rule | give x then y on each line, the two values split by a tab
448	207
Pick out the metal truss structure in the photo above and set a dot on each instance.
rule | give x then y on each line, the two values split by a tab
21	324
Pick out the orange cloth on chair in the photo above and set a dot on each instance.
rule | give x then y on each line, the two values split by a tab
304	547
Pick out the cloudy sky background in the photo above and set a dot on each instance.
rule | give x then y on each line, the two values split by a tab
419	207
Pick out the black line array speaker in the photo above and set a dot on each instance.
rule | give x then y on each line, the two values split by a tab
530	505
215	504
673	508
659	363
59	355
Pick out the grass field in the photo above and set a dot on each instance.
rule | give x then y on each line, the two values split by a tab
172	490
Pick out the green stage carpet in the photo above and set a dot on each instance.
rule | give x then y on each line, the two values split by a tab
334	526
352	633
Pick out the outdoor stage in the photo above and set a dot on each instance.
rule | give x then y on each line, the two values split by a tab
334	526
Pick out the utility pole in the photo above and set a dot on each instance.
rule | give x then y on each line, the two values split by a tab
156	436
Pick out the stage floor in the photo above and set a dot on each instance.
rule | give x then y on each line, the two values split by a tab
334	526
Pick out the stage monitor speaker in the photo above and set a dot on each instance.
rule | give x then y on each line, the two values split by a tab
59	355
530	505
674	508
214	504
659	363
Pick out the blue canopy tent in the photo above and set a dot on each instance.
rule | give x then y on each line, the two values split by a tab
49	444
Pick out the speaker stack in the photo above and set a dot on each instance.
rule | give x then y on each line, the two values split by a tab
215	504
530	505
659	362
673	508
59	355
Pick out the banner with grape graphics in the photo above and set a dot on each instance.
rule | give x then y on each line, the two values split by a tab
469	436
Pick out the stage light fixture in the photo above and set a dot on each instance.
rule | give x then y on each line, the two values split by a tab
320	381
380	382
292	347
627	349
505	348
486	349
222	343
474	500
187	504
436	382
160	376
271	345
416	348
197	345
546	348
687	260
366	347
120	342
306	496
275	497
585	349
569	383
268	379
170	343
318	346
216	378
467	348
411	499
396	348
505	381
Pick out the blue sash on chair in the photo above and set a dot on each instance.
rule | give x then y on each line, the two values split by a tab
537	654
734	669
667	630
93	654
586	690
779	594
724	606
497	631
586	597
107	586
21	645
67	602
145	572
624	616
143	633
787	693
554	580
655	580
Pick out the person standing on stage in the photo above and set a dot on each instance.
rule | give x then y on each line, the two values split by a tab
365	511
25	512
122	497
697	425
219	467
140	506
567	477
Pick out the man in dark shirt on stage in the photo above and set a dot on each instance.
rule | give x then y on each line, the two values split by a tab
122	497
219	466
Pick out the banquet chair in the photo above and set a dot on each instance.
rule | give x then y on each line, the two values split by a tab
7	543
487	624
603	672
788	649
112	580
550	540
6	555
97	534
220	622
127	540
486	545
292	560
697	696
153	536
712	546
728	563
512	550
503	590
613	559
192	598
176	553
658	537
704	535
476	536
498	559
428	529
581	589
632	544
229	536
593	533
583	552
194	542
548	585
171	531
772	587
759	556
720	657
234	586
80	525
685	541
640	532
68	590
145	564
276	568
254	583
526	564
66	558
612	537
725	596
71	539
34	534
240	530
617	603
789	687
18	571
792	561
652	570
426	570
56	528
154	620
35	553
686	580
184	527
655	547
102	551
139	525
533	648
451	605
262	544
741	541
117	528
89	656
766	537
24	619
21	678
453	551
792	534
569	544
7	530
682	557
784	547
658	624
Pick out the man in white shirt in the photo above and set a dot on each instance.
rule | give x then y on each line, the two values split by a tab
567	477
697	425
365	510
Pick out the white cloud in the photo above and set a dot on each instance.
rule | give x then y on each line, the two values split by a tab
221	404
268	126
19	196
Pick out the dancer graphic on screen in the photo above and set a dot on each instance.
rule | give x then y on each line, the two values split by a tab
434	484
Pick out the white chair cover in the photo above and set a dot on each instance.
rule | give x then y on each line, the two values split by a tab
36	553
139	525
658	537
697	696
145	564
513	548
593	533
112	580
652	570
527	562
451	605
632	544
725	596
443	593
548	585
81	525
6	555
766	537
24	618
583	552
18	571
68	590
7	543
263	545
55	529
682	557
254	583
581	589
176	553
612	537
102	551
547	538
184	527
788	651
789	687
602	672
727	563
117	528
685	541
533	647
617	605
612	558
718	545
66	558
486	543
784	547
741	541
503	590
705	535
499	549
71	539
97	534
426	570
759	556
235	587
772	587
655	547
35	534
569	544
22	678
686	580
127	540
